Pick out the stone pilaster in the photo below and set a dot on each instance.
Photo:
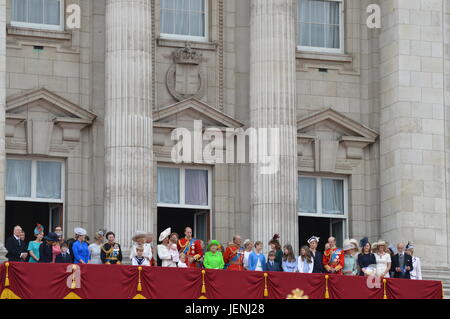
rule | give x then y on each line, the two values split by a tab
272	105
2	117
128	118
413	129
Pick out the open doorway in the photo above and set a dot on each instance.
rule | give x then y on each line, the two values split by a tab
179	218
321	227
28	214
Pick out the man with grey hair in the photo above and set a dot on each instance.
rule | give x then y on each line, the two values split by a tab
16	247
234	255
402	263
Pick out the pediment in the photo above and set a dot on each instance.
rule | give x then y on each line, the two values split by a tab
48	104
343	126
186	111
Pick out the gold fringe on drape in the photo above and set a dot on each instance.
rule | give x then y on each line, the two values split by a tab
384	289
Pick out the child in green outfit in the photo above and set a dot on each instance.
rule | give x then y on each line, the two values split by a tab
213	258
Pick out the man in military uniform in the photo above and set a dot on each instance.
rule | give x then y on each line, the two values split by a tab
333	258
234	255
191	248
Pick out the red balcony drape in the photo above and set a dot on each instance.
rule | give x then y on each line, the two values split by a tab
58	281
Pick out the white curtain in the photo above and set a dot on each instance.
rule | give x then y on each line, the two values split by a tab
332	196
18	178
36	11
319	23
52	12
306	195
168	185
19	10
332	29
183	17
48	180
196	187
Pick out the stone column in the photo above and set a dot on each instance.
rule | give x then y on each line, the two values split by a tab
128	118
2	117
272	105
413	129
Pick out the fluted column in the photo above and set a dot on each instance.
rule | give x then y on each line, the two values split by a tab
2	117
128	118
272	105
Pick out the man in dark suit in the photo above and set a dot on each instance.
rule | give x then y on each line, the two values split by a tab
16	247
315	254
402	263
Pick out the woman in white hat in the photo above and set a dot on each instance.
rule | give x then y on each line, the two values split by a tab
383	259
163	249
80	248
140	240
350	268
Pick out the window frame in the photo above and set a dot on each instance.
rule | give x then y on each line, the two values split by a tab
182	185
182	37
341	49
33	197
39	26
318	212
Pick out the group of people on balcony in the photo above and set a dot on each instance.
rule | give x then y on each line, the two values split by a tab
355	258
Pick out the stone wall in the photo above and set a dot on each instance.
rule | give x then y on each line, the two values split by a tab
413	190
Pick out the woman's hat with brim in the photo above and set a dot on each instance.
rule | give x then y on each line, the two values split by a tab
381	243
80	231
166	233
348	245
213	242
139	235
52	237
313	238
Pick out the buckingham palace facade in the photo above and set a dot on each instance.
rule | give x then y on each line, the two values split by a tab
87	116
